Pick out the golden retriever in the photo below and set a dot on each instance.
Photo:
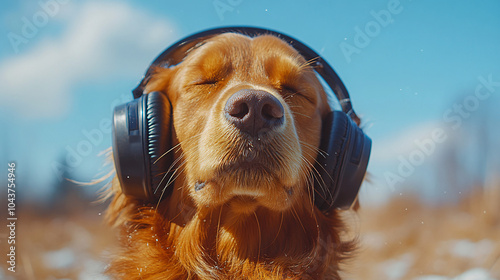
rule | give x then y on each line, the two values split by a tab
247	116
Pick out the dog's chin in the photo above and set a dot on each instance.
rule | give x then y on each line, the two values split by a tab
244	187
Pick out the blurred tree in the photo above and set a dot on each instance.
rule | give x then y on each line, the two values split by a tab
467	157
67	195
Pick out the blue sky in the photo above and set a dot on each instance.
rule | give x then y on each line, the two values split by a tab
81	58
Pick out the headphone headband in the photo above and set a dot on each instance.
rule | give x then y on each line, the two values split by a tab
176	53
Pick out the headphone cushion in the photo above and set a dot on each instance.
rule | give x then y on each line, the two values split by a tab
329	160
343	168
157	111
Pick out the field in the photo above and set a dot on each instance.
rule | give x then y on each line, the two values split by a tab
408	240
402	239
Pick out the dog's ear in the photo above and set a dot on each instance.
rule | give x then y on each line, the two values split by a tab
160	79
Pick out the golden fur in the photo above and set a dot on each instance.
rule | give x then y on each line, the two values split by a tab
246	223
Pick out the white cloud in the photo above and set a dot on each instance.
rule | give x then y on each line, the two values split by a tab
403	142
101	41
385	158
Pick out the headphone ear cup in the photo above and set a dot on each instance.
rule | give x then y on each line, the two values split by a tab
141	144
341	162
158	113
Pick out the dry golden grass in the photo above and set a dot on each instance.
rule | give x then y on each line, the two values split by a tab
403	239
57	245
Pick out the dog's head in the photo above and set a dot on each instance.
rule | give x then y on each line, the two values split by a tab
246	126
247	114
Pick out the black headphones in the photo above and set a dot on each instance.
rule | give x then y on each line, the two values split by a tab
142	131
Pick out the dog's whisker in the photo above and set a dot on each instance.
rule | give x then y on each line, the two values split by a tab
323	185
168	171
183	198
300	114
217	237
308	63
277	233
317	177
175	173
165	153
313	148
316	160
182	209
178	145
171	179
297	217
308	176
260	235
311	178
309	181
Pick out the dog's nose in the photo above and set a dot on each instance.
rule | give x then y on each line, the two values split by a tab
254	111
